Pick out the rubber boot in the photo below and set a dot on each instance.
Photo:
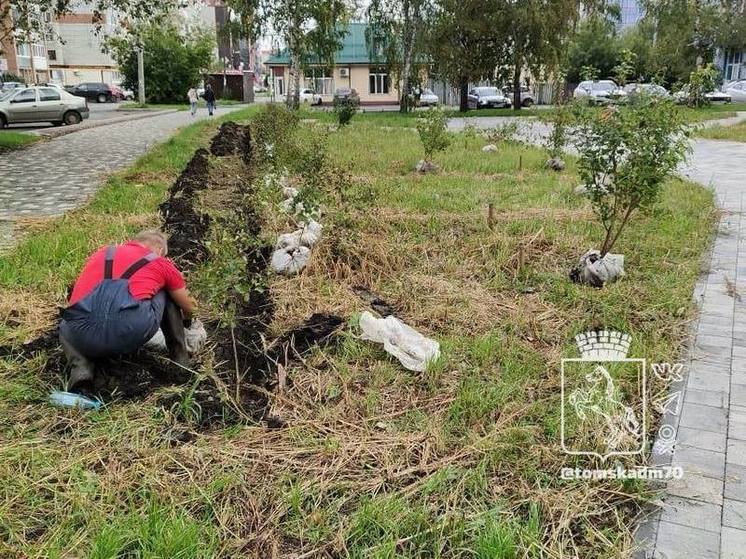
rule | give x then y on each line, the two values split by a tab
172	326
82	369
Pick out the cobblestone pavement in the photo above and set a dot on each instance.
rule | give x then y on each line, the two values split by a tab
703	515
52	177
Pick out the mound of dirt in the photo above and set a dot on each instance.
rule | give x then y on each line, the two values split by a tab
245	365
231	139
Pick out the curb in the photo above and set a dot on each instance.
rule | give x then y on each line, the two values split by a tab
63	131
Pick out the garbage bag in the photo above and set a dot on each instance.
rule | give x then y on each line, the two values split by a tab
310	233
413	350
596	271
195	336
489	148
288	261
289	241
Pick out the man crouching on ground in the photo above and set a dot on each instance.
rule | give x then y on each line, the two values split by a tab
121	298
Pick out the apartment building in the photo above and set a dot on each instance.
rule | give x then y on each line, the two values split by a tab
20	55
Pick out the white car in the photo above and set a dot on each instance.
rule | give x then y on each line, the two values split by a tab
682	96
428	98
652	89
737	91
487	97
600	92
310	96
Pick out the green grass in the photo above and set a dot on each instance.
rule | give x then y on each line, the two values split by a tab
461	461
735	133
10	140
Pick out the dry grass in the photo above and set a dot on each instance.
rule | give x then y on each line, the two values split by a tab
377	461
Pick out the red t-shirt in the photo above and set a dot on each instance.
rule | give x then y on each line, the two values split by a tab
144	284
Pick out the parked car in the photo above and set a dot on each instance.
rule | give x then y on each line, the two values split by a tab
344	93
527	96
487	97
737	91
601	92
428	98
7	86
41	104
682	96
310	96
652	89
96	91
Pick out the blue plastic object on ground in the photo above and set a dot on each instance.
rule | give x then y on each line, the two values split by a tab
72	400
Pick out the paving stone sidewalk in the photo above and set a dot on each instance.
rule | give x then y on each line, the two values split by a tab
703	515
52	177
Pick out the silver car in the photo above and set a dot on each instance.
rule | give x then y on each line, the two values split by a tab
601	92
41	104
487	97
736	90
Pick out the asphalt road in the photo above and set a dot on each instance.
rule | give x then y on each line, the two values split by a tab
99	111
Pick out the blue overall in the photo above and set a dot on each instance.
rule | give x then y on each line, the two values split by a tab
109	320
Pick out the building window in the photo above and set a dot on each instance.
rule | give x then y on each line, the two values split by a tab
52	54
733	64
22	49
378	81
320	81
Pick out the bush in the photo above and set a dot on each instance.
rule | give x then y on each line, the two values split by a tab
434	136
505	132
702	81
345	108
626	155
173	59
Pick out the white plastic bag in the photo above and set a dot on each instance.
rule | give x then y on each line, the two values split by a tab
597	271
413	350
289	241
290	262
310	233
195	337
289	192
489	148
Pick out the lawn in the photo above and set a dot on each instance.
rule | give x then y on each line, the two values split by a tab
14	140
735	133
369	460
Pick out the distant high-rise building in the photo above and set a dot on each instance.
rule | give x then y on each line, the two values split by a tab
630	12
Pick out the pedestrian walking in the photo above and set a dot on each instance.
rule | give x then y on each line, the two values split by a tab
210	99
192	96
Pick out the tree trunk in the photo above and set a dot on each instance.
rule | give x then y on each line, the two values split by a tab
517	83
408	46
293	94
463	105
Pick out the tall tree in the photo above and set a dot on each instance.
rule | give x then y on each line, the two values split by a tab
535	33
464	42
397	34
312	31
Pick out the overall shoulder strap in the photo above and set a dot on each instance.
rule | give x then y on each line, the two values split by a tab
109	261
129	272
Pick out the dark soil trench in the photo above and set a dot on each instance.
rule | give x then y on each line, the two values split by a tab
244	371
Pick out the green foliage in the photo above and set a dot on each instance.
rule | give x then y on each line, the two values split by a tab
173	59
625	67
273	129
503	132
560	121
592	50
345	108
702	81
626	154
11	77
433	130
